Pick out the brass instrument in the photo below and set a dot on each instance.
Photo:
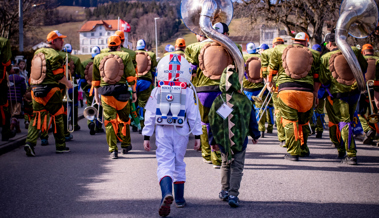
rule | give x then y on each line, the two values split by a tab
359	19
373	117
259	97
199	15
91	113
67	99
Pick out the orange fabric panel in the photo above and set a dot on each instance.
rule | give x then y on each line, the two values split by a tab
94	83
111	101
115	127
37	120
330	100
58	71
298	132
271	74
46	99
338	132
61	111
126	125
5	70
2	112
131	79
299	100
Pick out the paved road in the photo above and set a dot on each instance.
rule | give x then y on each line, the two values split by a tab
86	183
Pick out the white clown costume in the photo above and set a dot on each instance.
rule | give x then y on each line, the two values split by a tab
172	112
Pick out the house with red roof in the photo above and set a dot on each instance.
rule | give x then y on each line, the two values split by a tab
96	33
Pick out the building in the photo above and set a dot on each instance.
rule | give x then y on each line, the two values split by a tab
95	33
269	33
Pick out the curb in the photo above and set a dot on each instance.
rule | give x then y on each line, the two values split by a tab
21	141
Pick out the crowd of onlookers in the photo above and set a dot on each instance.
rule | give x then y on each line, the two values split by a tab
19	96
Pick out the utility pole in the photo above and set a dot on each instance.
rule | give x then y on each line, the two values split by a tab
21	27
156	36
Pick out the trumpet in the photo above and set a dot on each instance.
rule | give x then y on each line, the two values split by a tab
258	98
68	100
373	117
90	112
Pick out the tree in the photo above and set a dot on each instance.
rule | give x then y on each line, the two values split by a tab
294	15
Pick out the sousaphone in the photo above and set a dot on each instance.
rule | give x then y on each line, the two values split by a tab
359	19
200	15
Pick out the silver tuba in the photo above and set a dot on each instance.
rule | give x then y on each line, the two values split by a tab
359	19
199	15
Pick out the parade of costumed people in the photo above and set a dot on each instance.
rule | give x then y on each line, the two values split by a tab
206	107
93	111
114	79
146	65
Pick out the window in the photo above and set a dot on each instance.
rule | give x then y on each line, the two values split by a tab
100	34
101	41
84	50
268	35
101	27
92	34
84	34
85	42
108	33
93	41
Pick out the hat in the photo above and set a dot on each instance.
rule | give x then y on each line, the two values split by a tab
221	28
169	48
330	37
367	47
95	51
277	39
301	37
120	34
180	43
264	46
251	49
141	44
114	40
317	47
54	35
67	48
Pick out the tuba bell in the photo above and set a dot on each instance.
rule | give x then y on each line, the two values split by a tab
359	19
199	15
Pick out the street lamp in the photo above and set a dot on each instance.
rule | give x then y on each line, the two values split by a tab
21	27
156	36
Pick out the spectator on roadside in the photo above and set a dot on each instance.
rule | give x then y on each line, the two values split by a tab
23	73
17	89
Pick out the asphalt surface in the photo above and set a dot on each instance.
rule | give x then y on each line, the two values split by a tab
87	183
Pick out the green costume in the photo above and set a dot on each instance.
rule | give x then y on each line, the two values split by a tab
51	104
145	85
265	61
116	113
295	100
207	90
78	72
254	89
86	89
230	134
132	54
342	105
364	105
5	58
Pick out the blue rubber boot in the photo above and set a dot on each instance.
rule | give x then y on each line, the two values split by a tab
44	142
167	198
179	195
